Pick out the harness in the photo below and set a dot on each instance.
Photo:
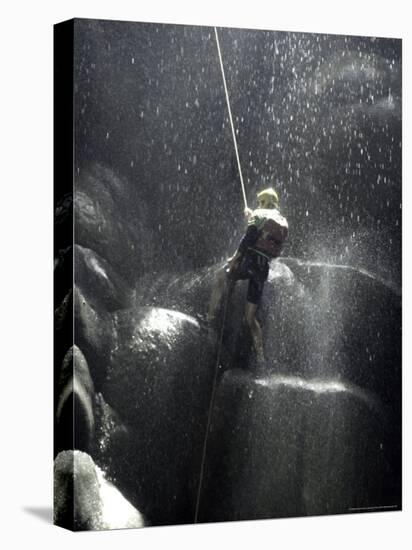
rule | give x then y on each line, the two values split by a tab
273	230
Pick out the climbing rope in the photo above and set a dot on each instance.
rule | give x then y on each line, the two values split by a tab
228	293
212	400
230	118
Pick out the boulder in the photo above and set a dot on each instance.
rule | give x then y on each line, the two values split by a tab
111	223
99	281
159	383
284	446
84	500
74	412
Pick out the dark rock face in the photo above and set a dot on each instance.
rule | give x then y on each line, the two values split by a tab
75	405
110	223
158	381
344	323
99	281
317	432
85	500
287	446
94	334
313	433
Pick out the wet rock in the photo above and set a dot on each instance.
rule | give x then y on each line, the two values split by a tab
289	446
317	320
159	383
99	281
111	223
85	500
94	334
186	292
153	370
112	437
74	413
331	320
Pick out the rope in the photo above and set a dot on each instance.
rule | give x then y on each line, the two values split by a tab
230	118
212	402
228	292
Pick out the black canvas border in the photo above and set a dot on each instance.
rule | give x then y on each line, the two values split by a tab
63	185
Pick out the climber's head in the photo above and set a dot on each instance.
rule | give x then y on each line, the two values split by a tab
268	198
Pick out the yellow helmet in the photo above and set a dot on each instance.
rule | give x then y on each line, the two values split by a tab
268	198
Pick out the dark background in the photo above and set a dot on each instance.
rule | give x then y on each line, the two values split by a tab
317	116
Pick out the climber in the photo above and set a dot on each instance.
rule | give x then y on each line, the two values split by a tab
263	241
